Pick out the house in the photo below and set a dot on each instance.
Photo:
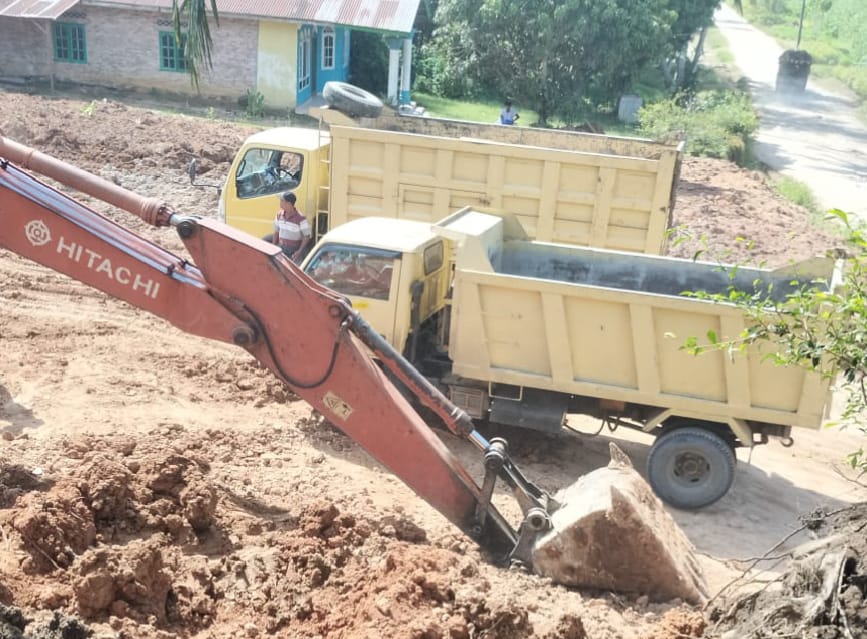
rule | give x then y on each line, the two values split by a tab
284	50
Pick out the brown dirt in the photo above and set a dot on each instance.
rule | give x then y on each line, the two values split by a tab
154	485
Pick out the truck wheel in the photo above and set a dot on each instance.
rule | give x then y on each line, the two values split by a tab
351	99
691	468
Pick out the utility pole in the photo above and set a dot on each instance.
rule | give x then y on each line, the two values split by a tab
801	23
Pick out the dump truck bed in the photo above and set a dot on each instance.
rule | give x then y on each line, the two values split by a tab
573	188
612	325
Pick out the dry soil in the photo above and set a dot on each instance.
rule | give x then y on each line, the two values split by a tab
156	485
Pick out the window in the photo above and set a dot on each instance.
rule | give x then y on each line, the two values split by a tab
69	42
304	58
328	48
433	258
355	271
267	172
171	55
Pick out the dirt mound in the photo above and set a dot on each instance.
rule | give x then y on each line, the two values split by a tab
728	214
142	538
86	134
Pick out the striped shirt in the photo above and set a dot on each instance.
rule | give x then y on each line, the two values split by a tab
290	229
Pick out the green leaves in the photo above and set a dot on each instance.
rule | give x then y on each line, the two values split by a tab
555	56
813	326
195	35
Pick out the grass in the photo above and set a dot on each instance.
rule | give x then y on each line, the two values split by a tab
482	111
797	192
488	111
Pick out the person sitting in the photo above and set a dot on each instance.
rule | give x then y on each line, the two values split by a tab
508	115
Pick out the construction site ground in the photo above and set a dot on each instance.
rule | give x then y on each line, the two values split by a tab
156	485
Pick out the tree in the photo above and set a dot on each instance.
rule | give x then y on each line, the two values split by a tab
556	56
820	326
680	67
194	38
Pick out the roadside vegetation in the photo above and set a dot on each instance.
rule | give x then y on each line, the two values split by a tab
834	33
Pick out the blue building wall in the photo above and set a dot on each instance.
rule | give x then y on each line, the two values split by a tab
340	68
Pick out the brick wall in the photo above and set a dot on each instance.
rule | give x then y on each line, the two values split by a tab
123	52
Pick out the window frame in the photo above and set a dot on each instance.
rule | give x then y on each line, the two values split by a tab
371	289
177	52
305	51
329	48
74	43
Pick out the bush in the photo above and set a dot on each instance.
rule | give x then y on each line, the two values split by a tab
714	123
253	103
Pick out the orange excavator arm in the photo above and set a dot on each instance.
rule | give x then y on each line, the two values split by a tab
243	291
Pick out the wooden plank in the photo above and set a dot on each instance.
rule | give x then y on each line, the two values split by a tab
547	210
737	367
557	337
660	207
391	180
602	206
644	346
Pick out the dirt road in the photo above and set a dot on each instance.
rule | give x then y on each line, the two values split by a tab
813	137
158	486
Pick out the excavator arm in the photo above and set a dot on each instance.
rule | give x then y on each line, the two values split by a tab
242	290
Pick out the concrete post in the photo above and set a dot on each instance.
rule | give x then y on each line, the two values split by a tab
406	71
394	46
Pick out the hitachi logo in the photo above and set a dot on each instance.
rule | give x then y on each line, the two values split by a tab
96	262
38	234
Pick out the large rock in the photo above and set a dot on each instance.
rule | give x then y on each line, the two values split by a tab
612	533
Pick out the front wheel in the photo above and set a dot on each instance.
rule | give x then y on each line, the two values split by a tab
691	467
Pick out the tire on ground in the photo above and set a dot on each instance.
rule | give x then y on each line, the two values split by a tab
691	467
351	99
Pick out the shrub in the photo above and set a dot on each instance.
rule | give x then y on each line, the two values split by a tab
253	103
714	123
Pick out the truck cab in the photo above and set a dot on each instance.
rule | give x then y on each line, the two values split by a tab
272	162
395	272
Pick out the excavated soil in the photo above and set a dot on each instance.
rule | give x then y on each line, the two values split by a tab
153	485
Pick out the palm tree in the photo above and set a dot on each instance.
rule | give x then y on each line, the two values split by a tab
195	40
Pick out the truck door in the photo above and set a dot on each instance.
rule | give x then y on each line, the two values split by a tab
367	276
260	176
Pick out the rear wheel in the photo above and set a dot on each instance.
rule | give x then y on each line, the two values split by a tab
691	467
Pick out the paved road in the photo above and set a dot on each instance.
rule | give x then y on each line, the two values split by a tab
814	137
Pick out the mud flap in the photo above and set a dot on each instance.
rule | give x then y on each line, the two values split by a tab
612	533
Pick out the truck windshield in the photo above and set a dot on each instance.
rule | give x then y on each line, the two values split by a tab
268	171
354	271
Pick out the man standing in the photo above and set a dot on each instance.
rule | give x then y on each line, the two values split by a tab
508	115
291	229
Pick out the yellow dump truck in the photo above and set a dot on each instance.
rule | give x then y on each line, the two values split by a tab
524	333
568	187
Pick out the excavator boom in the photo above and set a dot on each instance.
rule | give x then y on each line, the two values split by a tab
242	290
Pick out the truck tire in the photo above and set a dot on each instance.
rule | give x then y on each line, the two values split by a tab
351	99
691	467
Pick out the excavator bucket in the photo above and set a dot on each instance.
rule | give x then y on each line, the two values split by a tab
612	533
